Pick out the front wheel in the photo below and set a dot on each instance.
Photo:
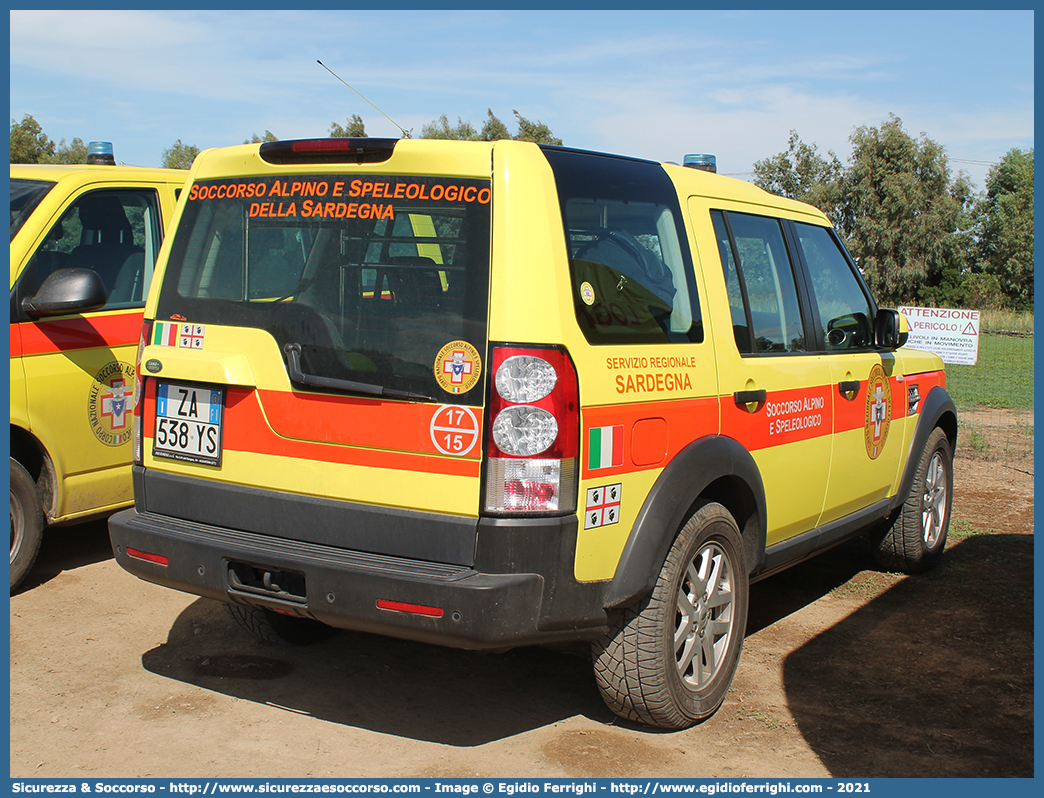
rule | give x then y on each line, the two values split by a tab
669	660
27	523
915	541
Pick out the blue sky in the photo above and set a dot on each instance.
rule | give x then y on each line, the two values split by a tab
654	84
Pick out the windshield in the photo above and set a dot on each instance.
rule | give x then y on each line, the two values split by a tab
25	196
372	278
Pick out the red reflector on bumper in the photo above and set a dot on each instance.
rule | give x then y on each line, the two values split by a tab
414	609
159	559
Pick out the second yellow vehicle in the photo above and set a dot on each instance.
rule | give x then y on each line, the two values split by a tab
84	241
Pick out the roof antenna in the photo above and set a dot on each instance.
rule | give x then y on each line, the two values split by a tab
405	133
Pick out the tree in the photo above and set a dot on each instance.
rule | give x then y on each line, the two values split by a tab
494	129
440	129
179	156
29	144
801	173
534	131
1005	243
906	222
353	128
76	152
256	139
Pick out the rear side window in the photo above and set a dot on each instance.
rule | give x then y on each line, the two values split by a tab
372	277
758	269
629	262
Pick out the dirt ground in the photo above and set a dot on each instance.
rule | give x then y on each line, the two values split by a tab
846	672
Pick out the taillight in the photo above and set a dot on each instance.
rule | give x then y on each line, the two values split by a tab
533	442
139	395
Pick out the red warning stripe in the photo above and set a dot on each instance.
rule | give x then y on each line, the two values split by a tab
80	332
653	432
786	417
791	416
356	421
247	430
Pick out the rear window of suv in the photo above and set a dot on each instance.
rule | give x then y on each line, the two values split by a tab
370	275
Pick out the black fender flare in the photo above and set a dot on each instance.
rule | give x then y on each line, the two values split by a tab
714	467
937	410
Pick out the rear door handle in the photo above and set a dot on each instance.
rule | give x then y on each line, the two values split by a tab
848	387
749	397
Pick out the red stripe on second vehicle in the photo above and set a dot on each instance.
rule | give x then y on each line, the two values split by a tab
80	332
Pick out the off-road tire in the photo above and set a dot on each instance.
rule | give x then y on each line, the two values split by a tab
27	523
636	662
915	541
274	627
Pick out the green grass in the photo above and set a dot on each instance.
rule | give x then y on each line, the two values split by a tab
867	584
974	441
961	530
744	713
1002	377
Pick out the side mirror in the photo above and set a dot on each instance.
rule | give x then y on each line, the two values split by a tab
67	291
890	329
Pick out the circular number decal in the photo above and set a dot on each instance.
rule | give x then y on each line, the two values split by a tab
454	430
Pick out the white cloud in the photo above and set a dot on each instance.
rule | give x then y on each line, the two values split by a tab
59	39
655	84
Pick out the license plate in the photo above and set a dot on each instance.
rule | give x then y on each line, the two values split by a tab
189	421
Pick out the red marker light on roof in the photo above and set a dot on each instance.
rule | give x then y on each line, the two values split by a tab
336	150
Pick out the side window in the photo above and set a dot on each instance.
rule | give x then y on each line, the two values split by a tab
764	277
115	233
844	310
629	262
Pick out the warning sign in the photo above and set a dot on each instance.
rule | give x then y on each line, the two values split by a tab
951	334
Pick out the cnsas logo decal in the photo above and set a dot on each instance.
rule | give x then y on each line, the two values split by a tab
878	412
110	402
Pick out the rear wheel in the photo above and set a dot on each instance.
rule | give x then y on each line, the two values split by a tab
915	541
669	660
274	627
27	523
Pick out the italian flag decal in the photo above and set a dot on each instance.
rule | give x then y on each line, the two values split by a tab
165	334
605	447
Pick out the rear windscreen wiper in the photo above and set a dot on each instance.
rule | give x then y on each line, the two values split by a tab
293	363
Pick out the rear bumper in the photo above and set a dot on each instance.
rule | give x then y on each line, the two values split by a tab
519	588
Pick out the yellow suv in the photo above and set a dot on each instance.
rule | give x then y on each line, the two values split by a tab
84	240
486	394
